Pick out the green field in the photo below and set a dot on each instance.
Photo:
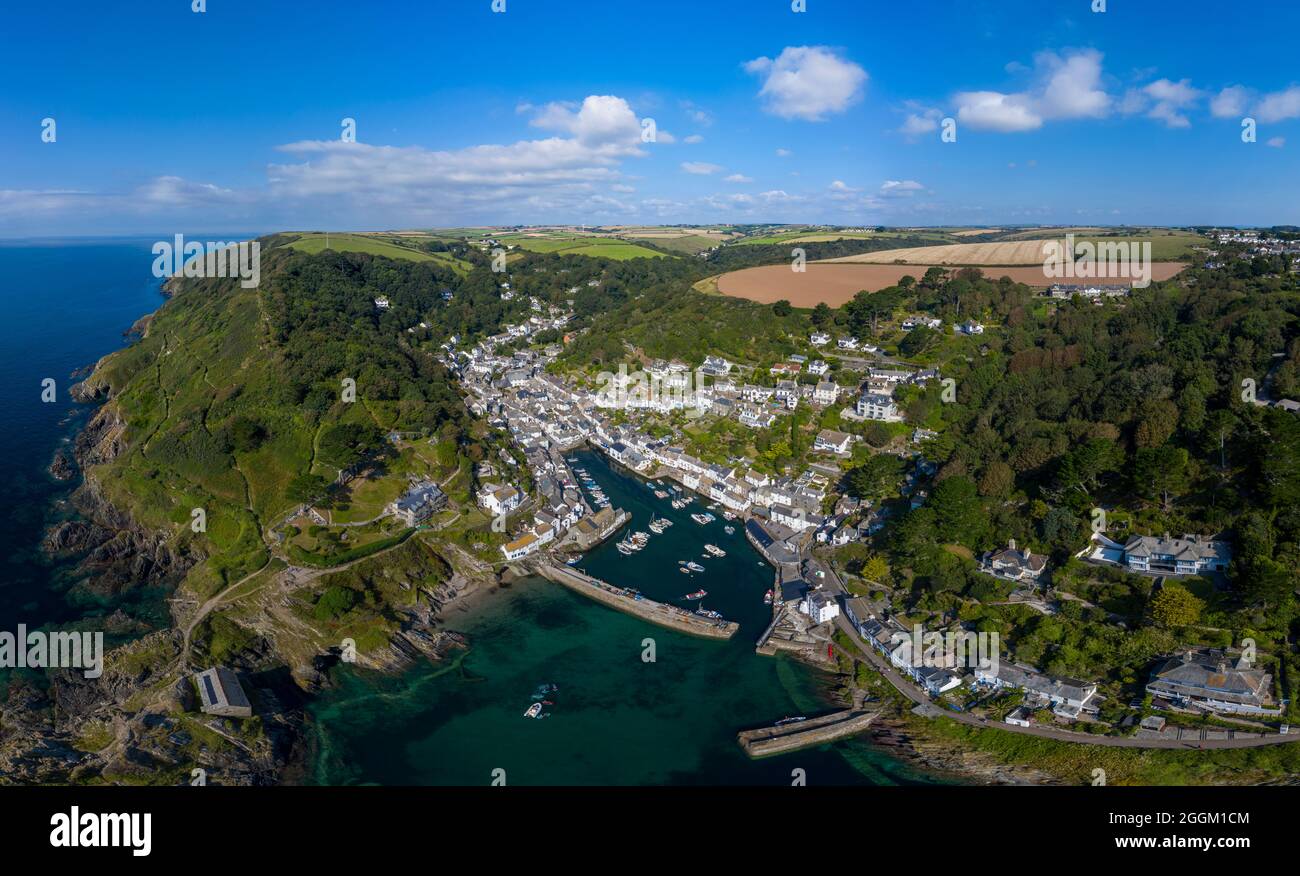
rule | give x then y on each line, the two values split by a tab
821	236
314	243
597	247
1167	244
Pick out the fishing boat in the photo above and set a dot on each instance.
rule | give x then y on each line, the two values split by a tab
698	594
694	567
715	550
533	711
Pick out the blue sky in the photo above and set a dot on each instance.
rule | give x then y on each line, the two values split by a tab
166	119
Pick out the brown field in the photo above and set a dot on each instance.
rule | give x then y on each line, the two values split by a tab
837	283
972	232
1016	252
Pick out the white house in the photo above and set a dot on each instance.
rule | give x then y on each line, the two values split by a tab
830	441
818	367
878	406
826	392
819	607
849	343
819	339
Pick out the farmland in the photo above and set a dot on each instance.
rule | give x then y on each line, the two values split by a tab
836	282
585	245
375	245
1016	252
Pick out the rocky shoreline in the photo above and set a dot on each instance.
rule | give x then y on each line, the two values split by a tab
139	722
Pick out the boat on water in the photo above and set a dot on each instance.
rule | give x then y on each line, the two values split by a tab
660	494
787	720
694	567
573	561
767	597
698	594
729	530
714	550
728	515
684	570
659	525
533	711
712	615
704	518
544	690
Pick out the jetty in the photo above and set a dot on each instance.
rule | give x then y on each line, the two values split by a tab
789	735
631	602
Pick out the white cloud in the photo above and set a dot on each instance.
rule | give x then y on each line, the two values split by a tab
807	82
1066	87
894	188
700	168
995	111
694	138
920	120
697	114
739	178
1171	98
1277	142
783	153
600	120
1230	103
1279	105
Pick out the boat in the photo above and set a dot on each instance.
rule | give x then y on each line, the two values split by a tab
729	530
712	615
702	519
728	515
698	594
544	690
794	720
694	567
624	548
660	494
684	570
767	597
573	561
533	711
715	550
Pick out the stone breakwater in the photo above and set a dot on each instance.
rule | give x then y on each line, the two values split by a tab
630	602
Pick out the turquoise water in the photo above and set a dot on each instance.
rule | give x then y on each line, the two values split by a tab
617	719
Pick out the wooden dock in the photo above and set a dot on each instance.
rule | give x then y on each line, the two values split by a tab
626	601
780	738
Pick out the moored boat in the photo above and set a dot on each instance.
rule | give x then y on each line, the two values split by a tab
533	711
698	594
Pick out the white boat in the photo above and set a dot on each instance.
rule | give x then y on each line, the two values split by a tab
533	711
729	530
694	566
702	519
715	550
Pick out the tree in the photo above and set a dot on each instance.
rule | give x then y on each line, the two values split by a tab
782	308
307	489
875	569
822	315
348	443
1160	472
1175	606
998	480
875	477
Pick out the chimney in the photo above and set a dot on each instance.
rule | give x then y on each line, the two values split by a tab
1011	544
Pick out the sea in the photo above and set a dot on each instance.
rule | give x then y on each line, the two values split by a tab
632	704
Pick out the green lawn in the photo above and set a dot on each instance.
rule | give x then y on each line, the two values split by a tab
314	243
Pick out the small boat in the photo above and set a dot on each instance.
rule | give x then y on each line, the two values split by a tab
695	567
715	550
573	561
660	494
684	570
728	515
698	594
794	720
702	519
533	711
767	598
729	530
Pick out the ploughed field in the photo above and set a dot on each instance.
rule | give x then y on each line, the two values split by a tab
837	282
